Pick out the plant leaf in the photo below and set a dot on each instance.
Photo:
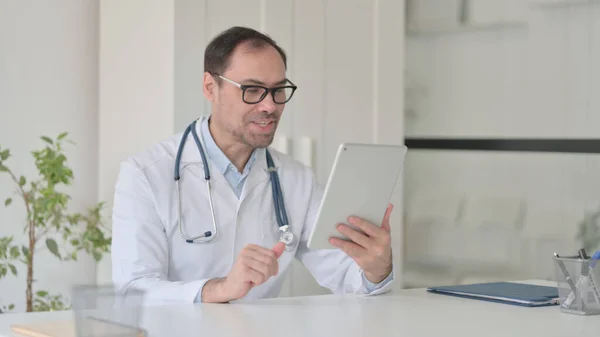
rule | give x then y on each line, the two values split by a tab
3	168
42	293
11	306
22	181
62	136
13	269
53	247
47	139
4	154
7	202
25	251
97	256
14	252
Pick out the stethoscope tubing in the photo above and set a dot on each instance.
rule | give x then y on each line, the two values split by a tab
280	212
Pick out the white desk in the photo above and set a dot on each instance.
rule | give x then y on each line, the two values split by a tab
413	312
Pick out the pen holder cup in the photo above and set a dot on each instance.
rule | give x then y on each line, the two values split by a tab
578	282
102	311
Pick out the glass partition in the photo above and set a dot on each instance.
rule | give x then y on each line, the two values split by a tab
502	126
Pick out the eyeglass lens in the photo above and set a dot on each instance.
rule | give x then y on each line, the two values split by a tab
257	94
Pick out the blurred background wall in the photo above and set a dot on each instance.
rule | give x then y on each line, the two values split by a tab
498	69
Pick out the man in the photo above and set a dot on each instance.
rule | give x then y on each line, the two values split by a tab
245	82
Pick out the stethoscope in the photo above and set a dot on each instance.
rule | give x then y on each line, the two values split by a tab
286	236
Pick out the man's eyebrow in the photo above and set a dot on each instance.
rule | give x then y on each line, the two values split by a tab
257	82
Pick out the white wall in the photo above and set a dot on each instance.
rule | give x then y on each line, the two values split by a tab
345	56
48	85
529	72
136	88
190	21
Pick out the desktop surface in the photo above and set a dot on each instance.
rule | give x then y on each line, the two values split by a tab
410	312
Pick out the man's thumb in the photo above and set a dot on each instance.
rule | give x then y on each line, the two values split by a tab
279	248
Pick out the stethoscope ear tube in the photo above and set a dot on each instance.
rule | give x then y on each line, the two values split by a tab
201	150
208	235
282	219
179	152
280	212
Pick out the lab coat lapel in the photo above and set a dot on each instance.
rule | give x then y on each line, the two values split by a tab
258	174
191	159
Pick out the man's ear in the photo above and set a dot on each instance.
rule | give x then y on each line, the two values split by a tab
209	86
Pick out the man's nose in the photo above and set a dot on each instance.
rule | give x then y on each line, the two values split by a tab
267	104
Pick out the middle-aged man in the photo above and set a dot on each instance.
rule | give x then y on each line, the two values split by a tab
178	244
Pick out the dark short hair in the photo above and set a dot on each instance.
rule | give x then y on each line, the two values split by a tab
217	54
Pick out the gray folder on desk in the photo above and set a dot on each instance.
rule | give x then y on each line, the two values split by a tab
503	292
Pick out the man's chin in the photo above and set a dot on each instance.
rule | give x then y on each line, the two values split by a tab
263	142
260	141
262	145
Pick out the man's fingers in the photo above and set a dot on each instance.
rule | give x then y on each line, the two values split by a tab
269	262
386	218
268	269
260	250
264	258
278	249
357	237
350	248
371	229
260	253
365	226
255	277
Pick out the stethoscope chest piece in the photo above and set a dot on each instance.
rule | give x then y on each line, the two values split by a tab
288	238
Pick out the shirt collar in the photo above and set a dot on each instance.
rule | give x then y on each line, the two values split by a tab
216	154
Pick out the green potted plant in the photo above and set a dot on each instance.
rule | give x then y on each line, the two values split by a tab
49	221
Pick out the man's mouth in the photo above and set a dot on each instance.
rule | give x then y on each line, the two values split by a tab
263	123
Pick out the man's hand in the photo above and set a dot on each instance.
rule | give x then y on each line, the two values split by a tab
253	267
372	250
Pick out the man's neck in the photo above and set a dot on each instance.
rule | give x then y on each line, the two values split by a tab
237	153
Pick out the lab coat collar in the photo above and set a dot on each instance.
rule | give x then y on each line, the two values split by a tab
212	150
191	154
258	172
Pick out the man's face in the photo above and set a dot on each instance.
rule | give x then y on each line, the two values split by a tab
253	125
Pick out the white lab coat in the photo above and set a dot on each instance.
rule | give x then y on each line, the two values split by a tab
148	251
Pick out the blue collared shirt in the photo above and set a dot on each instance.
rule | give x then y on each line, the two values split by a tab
234	177
236	180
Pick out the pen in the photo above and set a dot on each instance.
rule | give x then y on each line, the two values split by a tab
562	267
582	254
568	279
584	269
592	280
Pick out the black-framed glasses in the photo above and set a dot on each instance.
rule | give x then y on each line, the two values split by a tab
253	94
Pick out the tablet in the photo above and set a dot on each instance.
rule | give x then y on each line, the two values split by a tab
360	183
